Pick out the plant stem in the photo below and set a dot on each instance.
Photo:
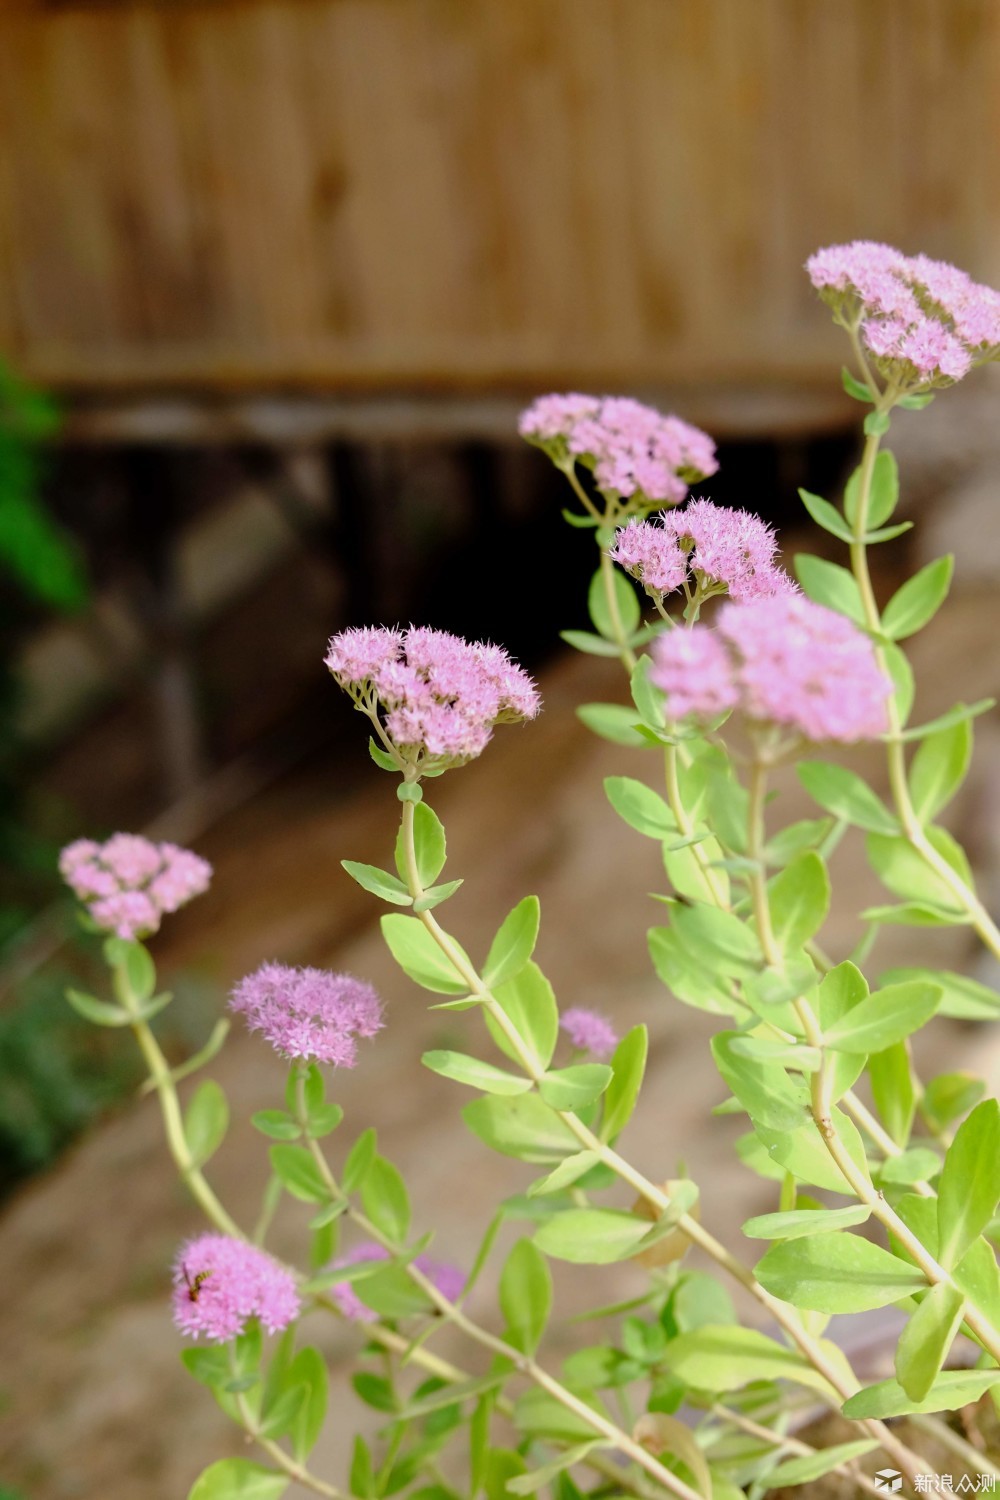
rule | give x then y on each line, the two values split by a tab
784	1315
791	1444
712	878
284	1460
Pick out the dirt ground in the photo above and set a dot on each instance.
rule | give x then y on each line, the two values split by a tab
96	1405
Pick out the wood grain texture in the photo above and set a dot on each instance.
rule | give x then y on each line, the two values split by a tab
378	193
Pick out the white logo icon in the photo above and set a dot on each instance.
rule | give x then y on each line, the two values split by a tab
889	1480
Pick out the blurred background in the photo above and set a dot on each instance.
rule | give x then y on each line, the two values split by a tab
276	278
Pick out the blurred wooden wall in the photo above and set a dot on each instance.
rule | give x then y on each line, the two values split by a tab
356	194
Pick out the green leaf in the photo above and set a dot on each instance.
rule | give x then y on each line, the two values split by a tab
836	1273
361	1477
826	515
627	1068
525	1295
892	1089
640	807
687	979
277	1124
956	715
648	699
206	1121
435	894
629	613
963	998
803	1153
614	722
429	845
719	940
846	795
887	533
723	1358
100	1012
902	676
854	387
524	1127
282	1415
884	488
590	644
299	1173
885	1017
907	874
359	1160
514	943
799	899
764	1089
136	976
379	882
939	768
477	1074
918	600
951	1095
530	1484
952	1390
828	583
969	1186
385	1199
591	1236
419	956
812	1466
564	1175
238	1479
797	1223
529	1004
536	1412
381	757
575	1087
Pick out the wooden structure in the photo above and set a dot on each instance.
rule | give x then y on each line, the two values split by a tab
367	195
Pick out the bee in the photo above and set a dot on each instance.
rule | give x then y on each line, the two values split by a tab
194	1287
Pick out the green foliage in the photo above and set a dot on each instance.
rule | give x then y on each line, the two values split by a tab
836	1273
525	1296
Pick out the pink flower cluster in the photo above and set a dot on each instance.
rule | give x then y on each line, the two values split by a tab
449	1279
441	695
590	1032
635	452
221	1282
309	1012
784	660
921	318
731	549
129	883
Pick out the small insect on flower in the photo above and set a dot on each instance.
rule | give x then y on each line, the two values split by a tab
194	1286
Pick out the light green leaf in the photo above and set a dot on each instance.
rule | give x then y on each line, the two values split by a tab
854	387
299	1173
939	768
803	1152
435	894
648	698
720	941
385	1199
381	757
963	999
640	807
238	1479
627	1068
379	882
956	715
846	795
277	1124
687	979
359	1160
918	600
429	845
952	1390
836	1273
950	1095
525	1295
918	1165
885	488
907	874
99	1012
514	943
799	898
892	1089
591	1236
628	611
723	1358
524	1127
564	1175
575	1087
419	956
477	1074
765	1090
902	676
530	1484
826	515
828	583
206	1121
885	1017
797	1223
805	1469
969	1185
614	722
529	1004
136	972
590	644
927	1338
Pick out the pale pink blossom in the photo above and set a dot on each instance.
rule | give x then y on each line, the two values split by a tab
589	1031
129	883
220	1283
309	1013
712	545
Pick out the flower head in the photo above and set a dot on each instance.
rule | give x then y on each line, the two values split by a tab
440	695
923	321
636	454
449	1279
723	549
309	1013
129	882
589	1031
783	660
221	1282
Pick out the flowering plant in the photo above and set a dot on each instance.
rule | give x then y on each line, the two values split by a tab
885	1185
